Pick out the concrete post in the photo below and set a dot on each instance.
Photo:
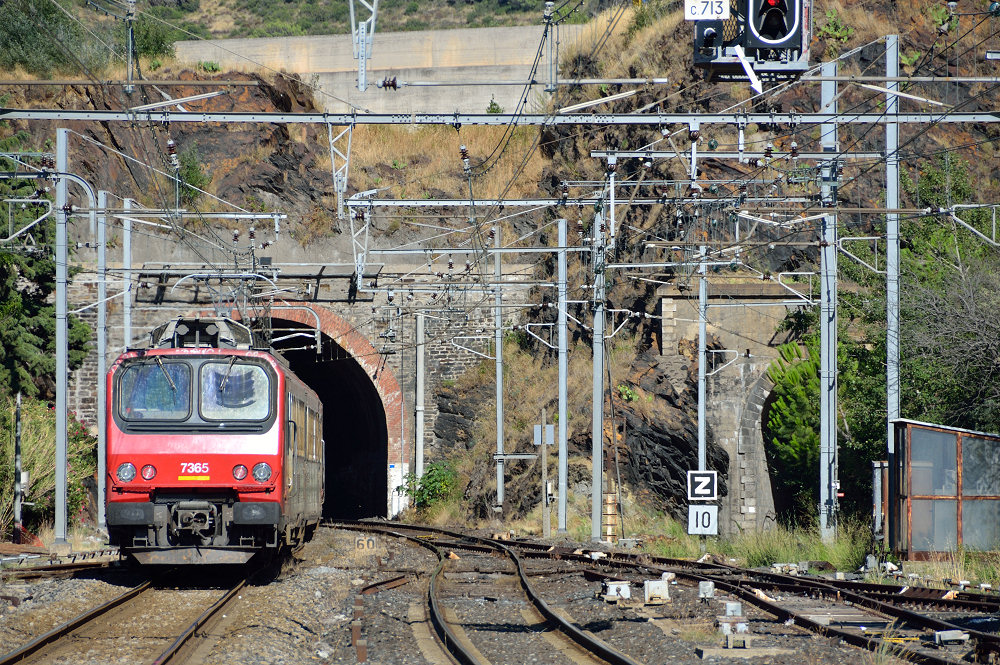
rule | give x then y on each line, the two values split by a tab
892	237
418	408
127	274
498	343
828	483
563	369
62	331
597	397
102	360
702	357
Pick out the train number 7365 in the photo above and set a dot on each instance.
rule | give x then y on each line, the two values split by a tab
194	467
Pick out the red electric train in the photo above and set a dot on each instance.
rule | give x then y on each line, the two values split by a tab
214	448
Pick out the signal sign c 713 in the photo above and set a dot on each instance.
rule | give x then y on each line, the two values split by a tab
705	10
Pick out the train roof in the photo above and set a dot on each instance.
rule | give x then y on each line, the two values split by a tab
207	333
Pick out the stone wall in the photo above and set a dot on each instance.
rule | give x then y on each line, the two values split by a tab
742	318
454	58
393	351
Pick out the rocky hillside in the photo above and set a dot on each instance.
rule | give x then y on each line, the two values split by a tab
287	168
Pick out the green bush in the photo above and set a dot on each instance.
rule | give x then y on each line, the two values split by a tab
439	482
193	177
791	433
38	454
43	40
155	39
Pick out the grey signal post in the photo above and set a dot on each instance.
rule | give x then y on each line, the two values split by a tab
544	437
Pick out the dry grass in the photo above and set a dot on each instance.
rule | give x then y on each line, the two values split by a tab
867	24
410	161
80	538
699	633
960	564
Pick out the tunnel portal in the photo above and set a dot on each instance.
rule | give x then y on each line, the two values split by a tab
355	432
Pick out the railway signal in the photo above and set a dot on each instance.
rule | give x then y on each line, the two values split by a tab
774	24
766	39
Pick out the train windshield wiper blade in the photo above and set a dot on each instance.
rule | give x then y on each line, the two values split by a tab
166	374
229	369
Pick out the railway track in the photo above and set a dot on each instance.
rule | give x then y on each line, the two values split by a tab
918	624
552	635
133	626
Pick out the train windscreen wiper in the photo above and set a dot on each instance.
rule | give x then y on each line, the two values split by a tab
166	374
229	369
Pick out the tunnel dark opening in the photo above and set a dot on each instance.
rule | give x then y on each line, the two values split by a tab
354	426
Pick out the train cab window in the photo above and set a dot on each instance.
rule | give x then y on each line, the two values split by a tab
234	391
155	391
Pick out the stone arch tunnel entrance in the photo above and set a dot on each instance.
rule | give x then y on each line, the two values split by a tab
358	442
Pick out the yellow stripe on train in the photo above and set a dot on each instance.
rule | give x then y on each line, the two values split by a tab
194	477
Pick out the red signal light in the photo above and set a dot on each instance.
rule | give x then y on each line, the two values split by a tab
773	3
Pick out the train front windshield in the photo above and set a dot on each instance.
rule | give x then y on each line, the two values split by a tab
162	390
234	392
155	391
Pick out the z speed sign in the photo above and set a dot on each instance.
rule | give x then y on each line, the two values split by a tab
705	10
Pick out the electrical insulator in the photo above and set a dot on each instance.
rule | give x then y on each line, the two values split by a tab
451	263
693	135
795	150
468	266
409	296
952	6
464	152
565	190
769	151
236	237
388	83
612	167
754	162
172	151
492	233
391	296
265	244
648	164
579	227
253	233
547	12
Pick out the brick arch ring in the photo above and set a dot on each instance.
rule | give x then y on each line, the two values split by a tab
345	335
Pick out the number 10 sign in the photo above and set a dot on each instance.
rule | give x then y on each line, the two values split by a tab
703	520
704	10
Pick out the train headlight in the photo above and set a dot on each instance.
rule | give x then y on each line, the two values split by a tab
148	472
126	472
261	471
239	472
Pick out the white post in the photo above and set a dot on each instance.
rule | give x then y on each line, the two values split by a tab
418	426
